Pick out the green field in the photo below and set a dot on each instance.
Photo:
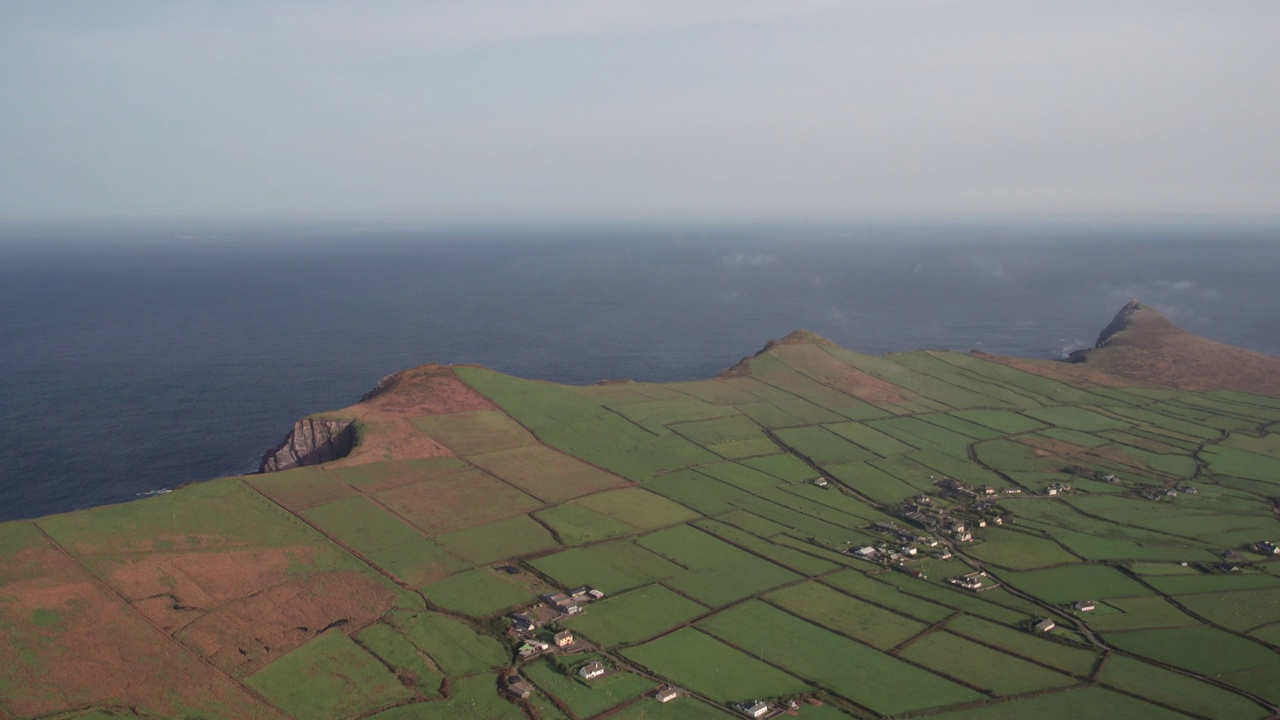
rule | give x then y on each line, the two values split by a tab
846	615
1076	582
478	592
456	648
872	679
586	698
329	677
1178	690
611	567
634	616
1068	658
980	666
1018	550
1068	705
1199	649
718	573
500	540
701	663
396	652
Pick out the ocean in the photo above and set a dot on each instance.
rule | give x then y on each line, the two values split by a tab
137	359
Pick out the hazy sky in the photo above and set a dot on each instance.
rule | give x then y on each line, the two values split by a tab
638	109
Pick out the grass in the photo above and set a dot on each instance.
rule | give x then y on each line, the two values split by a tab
1187	585
705	665
576	525
545	473
783	467
846	615
1199	649
1141	613
301	488
472	433
472	698
586	698
685	708
729	437
700	493
329	677
993	671
1067	705
870	678
396	652
456	648
500	540
871	439
1076	582
924	435
639	508
857	583
1011	456
457	501
803	563
1004	421
478	593
419	562
1067	658
372	477
823	446
718	572
872	482
1175	689
1018	550
634	616
1241	463
361	525
1241	610
610	567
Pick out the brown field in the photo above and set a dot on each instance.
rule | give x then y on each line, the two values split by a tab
470	433
376	477
426	390
457	501
545	473
818	364
173	589
69	643
244	635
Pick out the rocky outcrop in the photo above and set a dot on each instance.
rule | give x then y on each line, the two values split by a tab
312	441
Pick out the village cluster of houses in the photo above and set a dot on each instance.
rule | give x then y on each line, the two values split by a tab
554	607
976	581
906	546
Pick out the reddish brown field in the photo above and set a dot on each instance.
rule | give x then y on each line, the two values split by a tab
72	643
243	635
821	366
1075	375
457	501
301	488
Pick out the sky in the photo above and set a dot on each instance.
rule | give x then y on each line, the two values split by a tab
443	110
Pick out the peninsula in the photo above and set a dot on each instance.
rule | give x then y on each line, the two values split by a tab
815	532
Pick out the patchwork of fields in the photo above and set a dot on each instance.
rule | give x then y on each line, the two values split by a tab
384	588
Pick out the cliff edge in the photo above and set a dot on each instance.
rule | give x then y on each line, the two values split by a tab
1141	343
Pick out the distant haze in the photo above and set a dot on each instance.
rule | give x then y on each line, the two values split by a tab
638	109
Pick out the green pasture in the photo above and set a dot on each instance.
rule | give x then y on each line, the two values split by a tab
1075	437
1200	649
699	492
697	661
718	572
478	593
1089	702
1076	582
752	523
995	672
1140	613
610	567
296	489
545	473
960	468
846	615
801	562
823	446
852	514
1011	456
656	415
1187	585
576	524
887	596
745	476
637	507
870	439
471	698
1018	550
784	467
736	436
456	501
886	367
1261	681
454	647
924	436
1082	419
361	525
933	364
498	540
872	482
1267	444
870	678
418	562
1178	690
586	698
1241	611
1241	463
790	412
799	522
950	421
834	499
397	652
1164	422
634	616
1041	387
1071	659
685	708
1005	422
329	677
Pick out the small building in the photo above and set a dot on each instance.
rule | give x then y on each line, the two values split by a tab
517	687
591	670
564	639
532	647
666	693
595	594
523	622
1045	625
866	552
821	482
1085	606
1266	547
755	710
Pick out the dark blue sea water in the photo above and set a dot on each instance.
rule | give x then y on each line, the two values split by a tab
140	358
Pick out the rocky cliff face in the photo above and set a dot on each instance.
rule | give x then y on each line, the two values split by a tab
311	441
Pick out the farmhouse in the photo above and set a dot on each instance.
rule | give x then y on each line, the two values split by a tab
518	687
531	648
755	710
666	693
562	603
1266	547
1044	625
1085	606
591	670
821	482
564	639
